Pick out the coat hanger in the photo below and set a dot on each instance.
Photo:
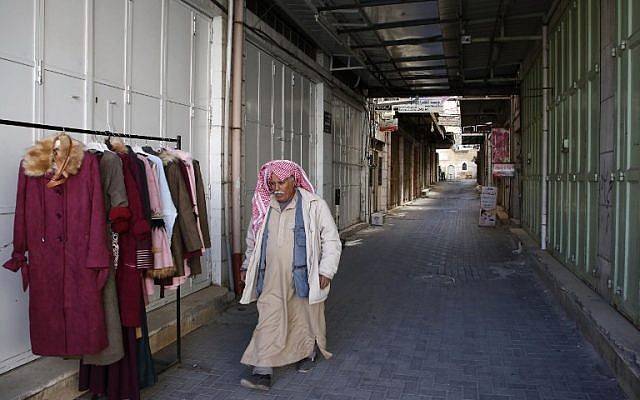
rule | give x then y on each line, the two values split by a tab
95	144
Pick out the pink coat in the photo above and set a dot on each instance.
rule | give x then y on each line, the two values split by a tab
63	230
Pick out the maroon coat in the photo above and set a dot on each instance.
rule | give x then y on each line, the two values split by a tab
64	233
134	244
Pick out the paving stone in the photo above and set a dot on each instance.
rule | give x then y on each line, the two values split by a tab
428	307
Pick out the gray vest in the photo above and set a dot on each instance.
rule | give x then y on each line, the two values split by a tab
299	268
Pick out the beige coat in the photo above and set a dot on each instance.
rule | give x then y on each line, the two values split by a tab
323	249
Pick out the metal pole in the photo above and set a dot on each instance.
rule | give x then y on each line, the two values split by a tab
225	147
545	135
236	137
178	314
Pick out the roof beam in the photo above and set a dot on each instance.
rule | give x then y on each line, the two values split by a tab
370	3
504	79
437	57
401	42
410	77
483	90
431	21
419	68
504	39
399	24
367	20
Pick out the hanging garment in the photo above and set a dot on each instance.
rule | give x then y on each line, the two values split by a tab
140	177
169	211
162	261
143	252
118	381
188	170
128	275
146	368
117	213
185	239
60	221
201	201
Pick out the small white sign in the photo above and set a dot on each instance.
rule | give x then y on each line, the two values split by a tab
488	204
422	105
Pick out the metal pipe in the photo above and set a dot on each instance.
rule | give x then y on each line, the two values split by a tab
545	135
225	147
236	137
549	14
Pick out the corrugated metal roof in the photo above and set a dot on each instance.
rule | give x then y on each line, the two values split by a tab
502	32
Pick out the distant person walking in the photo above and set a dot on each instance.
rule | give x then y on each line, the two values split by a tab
293	250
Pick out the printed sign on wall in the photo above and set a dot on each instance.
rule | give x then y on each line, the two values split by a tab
504	170
500	144
327	122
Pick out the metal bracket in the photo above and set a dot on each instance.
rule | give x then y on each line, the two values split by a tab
128	94
39	74
614	52
612	177
621	176
349	67
623	45
193	24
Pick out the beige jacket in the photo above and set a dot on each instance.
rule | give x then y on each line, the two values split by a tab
323	249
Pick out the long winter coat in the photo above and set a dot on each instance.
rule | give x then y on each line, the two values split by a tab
118	214
63	230
323	249
185	239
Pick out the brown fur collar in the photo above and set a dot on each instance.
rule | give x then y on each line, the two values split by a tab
39	158
167	157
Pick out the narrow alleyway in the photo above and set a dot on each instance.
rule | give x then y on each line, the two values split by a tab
430	306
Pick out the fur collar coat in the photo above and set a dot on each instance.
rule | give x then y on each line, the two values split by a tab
60	247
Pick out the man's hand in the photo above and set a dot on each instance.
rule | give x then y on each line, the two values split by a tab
324	281
243	276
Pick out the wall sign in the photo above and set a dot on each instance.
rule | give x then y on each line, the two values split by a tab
504	169
327	122
500	143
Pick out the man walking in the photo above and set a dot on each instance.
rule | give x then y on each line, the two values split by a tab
293	250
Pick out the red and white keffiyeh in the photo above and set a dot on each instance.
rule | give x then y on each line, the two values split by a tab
283	169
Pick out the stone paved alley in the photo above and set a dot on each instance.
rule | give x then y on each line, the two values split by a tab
430	306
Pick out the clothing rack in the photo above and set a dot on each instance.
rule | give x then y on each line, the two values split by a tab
177	140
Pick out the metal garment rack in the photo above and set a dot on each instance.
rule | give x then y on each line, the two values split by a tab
177	140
